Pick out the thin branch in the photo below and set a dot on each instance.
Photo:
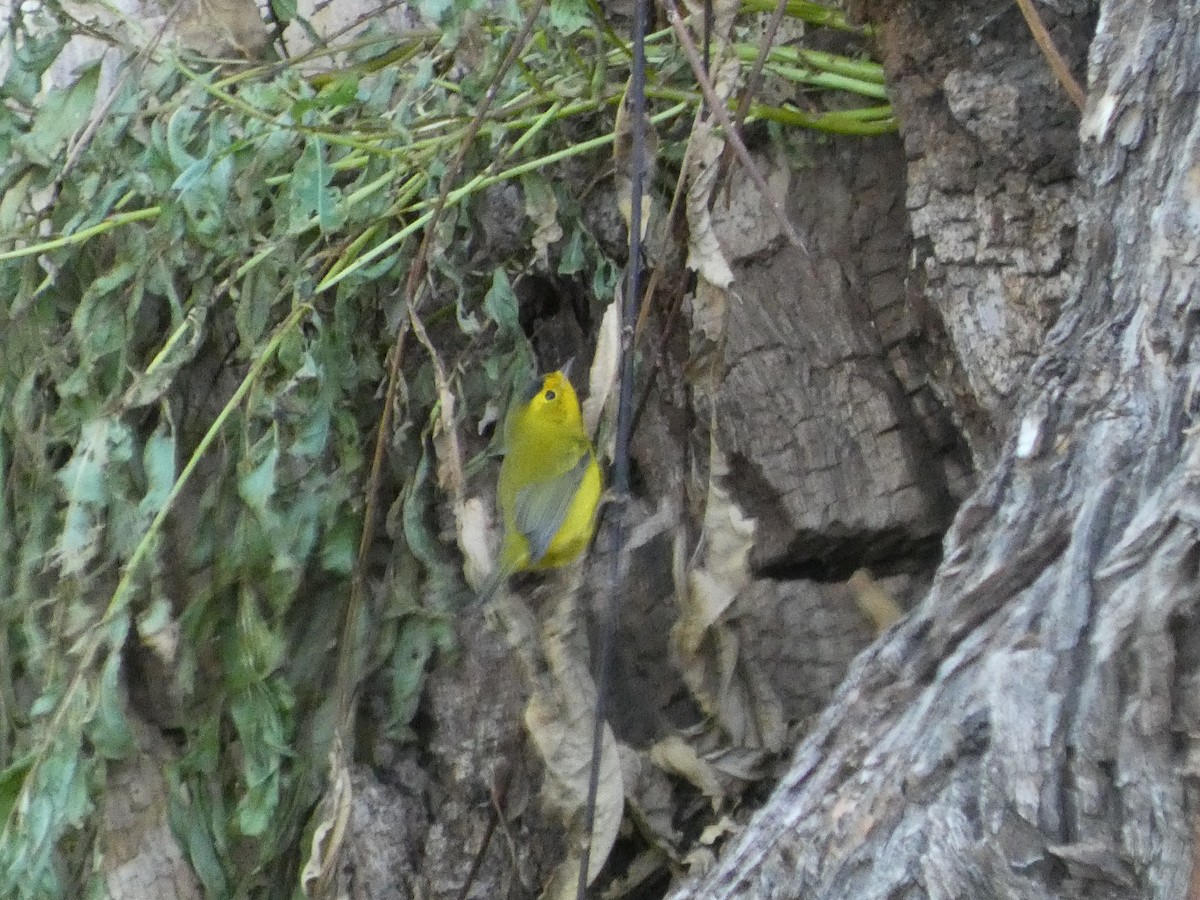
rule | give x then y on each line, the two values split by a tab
753	83
1058	65
731	135
608	605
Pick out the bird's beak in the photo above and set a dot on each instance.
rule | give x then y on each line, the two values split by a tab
566	368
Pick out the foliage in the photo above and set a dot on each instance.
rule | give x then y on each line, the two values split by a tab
199	285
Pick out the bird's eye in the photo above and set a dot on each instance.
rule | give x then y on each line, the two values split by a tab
550	395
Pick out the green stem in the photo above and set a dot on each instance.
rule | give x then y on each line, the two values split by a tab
78	237
858	69
815	13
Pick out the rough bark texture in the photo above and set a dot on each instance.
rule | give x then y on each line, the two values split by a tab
424	821
141	857
990	141
1028	731
838	447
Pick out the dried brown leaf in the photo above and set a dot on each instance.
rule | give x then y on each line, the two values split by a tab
650	801
559	719
677	757
875	602
474	540
319	876
223	28
705	146
722	676
541	206
606	363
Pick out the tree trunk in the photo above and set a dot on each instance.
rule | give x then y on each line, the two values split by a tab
1027	731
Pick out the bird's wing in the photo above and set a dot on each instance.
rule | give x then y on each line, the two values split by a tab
541	507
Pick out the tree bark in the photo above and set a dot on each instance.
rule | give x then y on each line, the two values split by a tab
1027	731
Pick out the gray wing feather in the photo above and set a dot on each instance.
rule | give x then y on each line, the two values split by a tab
541	507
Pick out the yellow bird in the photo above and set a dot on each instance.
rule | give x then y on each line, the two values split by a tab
549	486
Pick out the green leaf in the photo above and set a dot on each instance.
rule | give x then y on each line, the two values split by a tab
568	16
604	280
203	182
338	93
284	10
257	485
254	307
114	278
259	724
84	480
180	349
12	779
179	129
500	303
62	113
12	202
416	643
158	464
313	437
340	547
190	817
155	621
29	58
109	729
310	193
573	259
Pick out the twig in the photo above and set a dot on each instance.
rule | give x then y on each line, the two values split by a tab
753	83
731	135
608	607
1058	65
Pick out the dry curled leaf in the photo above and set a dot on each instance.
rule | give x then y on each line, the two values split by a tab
223	28
471	521
559	719
677	757
541	206
319	877
445	442
606	363
710	311
706	640
723	827
649	800
875	602
705	146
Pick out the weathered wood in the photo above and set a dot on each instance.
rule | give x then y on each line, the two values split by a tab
1027	731
839	449
990	141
